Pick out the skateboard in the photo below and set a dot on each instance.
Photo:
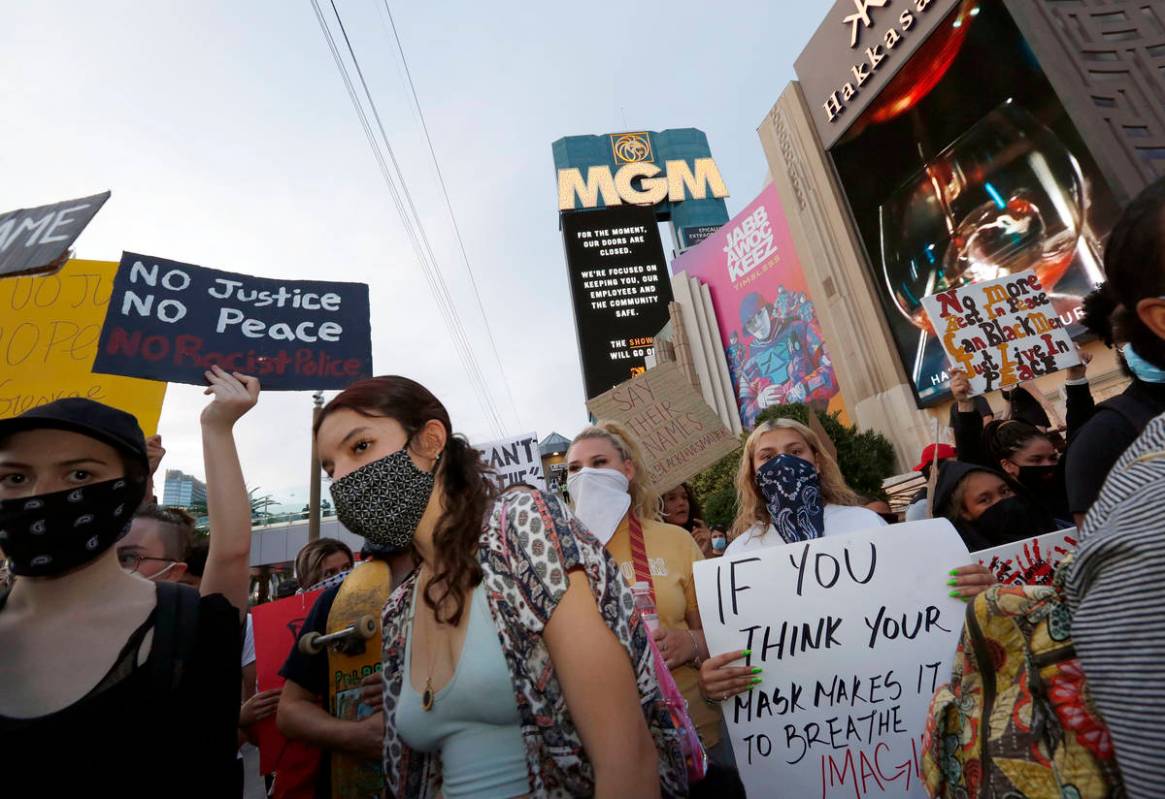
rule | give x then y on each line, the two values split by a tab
353	644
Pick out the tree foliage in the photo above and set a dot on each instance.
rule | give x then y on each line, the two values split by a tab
866	458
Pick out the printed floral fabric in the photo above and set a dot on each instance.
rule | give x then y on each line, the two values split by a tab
1016	719
529	544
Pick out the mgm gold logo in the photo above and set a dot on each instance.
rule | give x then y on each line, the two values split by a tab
631	148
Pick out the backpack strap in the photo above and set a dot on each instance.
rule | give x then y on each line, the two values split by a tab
1136	413
175	631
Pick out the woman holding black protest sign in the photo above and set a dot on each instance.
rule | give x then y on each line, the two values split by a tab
99	656
790	489
511	598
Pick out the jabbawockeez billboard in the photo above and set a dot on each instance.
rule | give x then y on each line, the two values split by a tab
774	346
613	190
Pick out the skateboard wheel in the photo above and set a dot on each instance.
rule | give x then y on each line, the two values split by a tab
309	644
366	626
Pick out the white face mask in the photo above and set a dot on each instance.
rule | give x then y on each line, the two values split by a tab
601	500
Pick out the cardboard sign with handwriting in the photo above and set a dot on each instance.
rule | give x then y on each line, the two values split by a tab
852	634
1030	561
49	328
514	461
679	434
1001	332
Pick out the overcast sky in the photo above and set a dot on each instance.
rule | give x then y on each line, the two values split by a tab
226	136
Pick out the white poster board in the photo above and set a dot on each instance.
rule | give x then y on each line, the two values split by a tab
1001	332
1031	561
514	460
854	633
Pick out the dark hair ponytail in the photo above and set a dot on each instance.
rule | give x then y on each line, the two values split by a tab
1003	438
1134	264
467	492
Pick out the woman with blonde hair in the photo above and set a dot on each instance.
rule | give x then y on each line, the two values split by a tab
611	495
791	489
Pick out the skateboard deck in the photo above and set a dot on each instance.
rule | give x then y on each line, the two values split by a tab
363	594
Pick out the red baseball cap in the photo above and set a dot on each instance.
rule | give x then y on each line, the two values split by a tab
945	453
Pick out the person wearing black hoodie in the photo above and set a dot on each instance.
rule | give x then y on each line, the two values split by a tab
987	508
1019	449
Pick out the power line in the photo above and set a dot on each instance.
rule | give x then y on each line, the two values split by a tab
415	232
452	216
431	264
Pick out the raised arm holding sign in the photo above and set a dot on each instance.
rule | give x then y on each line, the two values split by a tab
851	635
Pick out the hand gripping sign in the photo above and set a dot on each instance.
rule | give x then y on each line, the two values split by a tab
172	321
853	634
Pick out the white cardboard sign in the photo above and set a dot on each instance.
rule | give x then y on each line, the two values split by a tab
514	460
1001	332
1031	561
854	633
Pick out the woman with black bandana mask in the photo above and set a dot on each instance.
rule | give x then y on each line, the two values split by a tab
106	690
511	667
790	490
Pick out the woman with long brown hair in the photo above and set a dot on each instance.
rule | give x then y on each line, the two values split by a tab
510	666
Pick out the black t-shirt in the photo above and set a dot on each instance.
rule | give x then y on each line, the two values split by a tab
127	738
1102	440
310	672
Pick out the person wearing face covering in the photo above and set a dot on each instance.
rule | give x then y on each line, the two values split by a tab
511	667
988	508
612	498
1022	451
113	685
791	490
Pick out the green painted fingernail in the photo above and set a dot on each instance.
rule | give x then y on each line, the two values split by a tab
953	572
757	670
746	652
952	582
755	681
956	595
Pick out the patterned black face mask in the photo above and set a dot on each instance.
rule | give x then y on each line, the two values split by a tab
49	534
384	500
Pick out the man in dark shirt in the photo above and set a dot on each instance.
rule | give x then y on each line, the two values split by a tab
303	706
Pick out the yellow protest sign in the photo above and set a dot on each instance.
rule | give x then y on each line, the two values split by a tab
49	327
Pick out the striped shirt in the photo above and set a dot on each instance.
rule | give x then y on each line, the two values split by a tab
1116	590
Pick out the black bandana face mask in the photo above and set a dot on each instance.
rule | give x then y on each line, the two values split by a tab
384	500
49	534
792	491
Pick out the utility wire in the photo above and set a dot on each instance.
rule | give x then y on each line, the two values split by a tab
431	264
452	216
417	238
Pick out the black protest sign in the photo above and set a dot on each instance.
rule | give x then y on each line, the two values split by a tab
172	321
34	240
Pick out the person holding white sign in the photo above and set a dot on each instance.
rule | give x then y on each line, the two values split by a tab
612	498
792	490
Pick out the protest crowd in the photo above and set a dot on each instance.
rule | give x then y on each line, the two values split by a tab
731	578
536	644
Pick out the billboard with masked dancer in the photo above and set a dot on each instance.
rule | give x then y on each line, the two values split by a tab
774	346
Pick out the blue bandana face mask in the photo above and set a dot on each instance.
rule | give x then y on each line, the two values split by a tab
792	491
1144	370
